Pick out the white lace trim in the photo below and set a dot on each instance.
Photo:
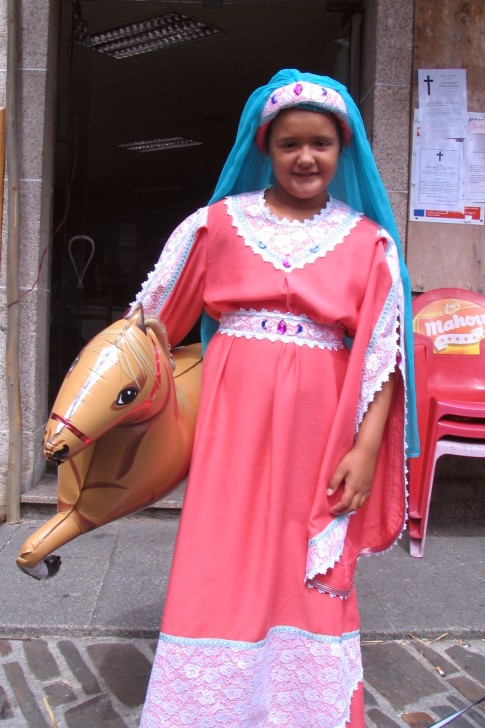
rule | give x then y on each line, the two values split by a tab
384	351
325	549
291	678
277	326
289	244
161	281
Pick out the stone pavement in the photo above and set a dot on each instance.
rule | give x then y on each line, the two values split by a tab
62	682
76	649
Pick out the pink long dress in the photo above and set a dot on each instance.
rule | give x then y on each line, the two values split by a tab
261	626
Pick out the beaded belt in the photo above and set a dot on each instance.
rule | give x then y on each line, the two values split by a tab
277	326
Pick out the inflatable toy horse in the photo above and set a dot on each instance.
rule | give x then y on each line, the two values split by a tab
121	430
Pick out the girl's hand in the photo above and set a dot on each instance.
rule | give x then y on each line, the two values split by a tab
354	473
356	469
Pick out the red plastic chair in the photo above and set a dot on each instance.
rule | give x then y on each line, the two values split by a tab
449	338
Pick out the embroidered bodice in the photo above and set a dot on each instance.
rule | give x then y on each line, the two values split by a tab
289	244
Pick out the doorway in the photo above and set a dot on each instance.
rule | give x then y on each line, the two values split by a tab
120	186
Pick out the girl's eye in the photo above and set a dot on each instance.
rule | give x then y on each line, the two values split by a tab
126	396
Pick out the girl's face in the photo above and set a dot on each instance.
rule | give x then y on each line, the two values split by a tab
304	148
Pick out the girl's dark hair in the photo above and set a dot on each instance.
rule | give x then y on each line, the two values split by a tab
267	136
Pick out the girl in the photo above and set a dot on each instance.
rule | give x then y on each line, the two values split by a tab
299	461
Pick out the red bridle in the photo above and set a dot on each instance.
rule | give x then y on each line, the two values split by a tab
144	406
72	428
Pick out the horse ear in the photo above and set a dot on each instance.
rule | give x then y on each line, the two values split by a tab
137	318
161	333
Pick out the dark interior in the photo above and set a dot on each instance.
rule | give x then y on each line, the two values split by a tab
128	202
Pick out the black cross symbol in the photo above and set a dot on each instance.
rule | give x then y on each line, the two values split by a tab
429	81
439	155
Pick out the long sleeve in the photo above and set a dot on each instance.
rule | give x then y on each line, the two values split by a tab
174	290
335	543
384	351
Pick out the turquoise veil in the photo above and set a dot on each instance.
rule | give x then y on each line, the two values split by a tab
357	182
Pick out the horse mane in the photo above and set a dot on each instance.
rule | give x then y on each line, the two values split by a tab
132	352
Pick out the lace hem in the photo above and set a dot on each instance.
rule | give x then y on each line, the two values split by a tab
285	327
291	678
289	244
325	549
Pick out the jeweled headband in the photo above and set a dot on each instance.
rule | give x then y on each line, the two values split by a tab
306	95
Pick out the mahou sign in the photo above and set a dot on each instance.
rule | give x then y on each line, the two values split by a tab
455	325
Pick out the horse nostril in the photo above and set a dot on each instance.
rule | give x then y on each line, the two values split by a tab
60	455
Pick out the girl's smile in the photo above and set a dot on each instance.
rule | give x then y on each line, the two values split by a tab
304	148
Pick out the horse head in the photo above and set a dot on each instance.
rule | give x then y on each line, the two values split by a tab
122	429
122	376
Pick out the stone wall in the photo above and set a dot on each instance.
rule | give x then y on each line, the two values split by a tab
36	81
386	95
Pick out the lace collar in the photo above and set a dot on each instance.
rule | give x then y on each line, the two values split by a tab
289	244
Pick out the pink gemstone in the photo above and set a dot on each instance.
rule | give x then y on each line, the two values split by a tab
298	89
281	327
286	263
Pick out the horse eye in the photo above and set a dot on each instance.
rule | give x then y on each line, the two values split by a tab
127	395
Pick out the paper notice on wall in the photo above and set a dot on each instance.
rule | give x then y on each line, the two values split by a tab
443	102
476	122
448	176
471	215
440	175
475	168
475	158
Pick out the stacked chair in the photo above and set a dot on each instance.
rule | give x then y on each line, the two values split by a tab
449	338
